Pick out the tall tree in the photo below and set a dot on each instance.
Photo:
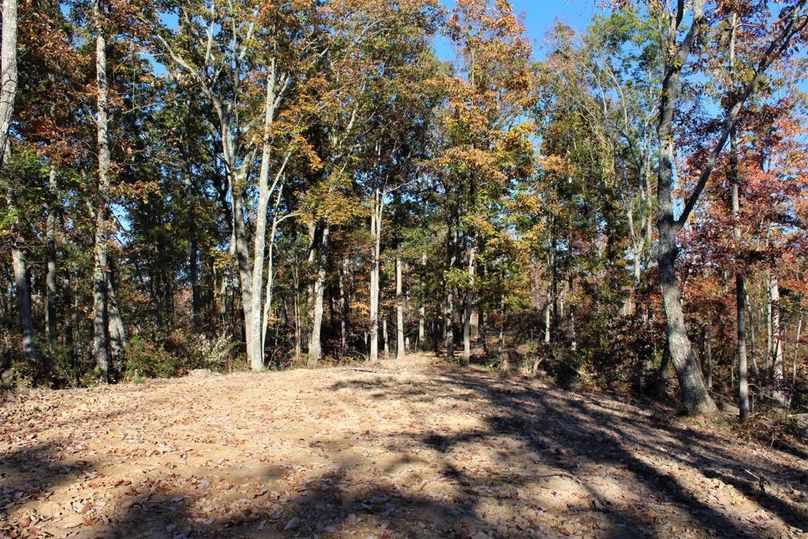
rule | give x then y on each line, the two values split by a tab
689	21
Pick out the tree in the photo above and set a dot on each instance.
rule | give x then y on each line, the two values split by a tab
8	91
791	21
485	141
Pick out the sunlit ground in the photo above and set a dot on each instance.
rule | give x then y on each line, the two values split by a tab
401	449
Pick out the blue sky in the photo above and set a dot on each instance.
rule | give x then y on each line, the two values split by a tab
538	16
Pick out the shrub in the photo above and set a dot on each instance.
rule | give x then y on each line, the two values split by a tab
147	359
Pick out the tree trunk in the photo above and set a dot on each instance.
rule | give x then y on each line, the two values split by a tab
662	375
101	344
115	329
549	307
448	327
469	307
375	234
270	279
777	360
422	309
740	284
708	360
315	346
767	369
255	351
23	293
346	303
694	397
501	336
71	322
400	348
421	327
50	256
385	339
8	77
296	306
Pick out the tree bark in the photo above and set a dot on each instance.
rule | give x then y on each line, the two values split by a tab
8	77
115	329
708	359
270	277
50	256
740	282
345	303
448	327
315	346
101	341
376	235
400	347
777	359
422	309
296	307
694	397
752	338
501	336
255	352
23	293
385	338
469	307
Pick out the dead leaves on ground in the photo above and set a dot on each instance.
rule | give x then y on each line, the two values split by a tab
402	450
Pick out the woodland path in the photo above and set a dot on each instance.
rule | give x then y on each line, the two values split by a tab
396	449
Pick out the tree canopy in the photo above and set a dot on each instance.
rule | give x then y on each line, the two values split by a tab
255	184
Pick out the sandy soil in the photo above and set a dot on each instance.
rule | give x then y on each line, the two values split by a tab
398	449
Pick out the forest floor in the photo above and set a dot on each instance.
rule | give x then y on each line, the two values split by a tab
395	449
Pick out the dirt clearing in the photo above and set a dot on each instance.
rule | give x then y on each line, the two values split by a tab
399	449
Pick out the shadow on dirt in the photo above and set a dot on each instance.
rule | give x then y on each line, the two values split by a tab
568	436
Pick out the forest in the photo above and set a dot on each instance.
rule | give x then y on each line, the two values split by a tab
403	268
246	184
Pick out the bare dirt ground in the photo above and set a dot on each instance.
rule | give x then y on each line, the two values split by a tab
397	449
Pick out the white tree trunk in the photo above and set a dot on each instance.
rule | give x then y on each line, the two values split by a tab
778	362
376	237
8	77
315	345
255	351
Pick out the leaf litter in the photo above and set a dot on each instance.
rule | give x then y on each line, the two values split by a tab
411	448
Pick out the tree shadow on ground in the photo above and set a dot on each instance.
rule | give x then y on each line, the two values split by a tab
571	441
29	474
568	433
